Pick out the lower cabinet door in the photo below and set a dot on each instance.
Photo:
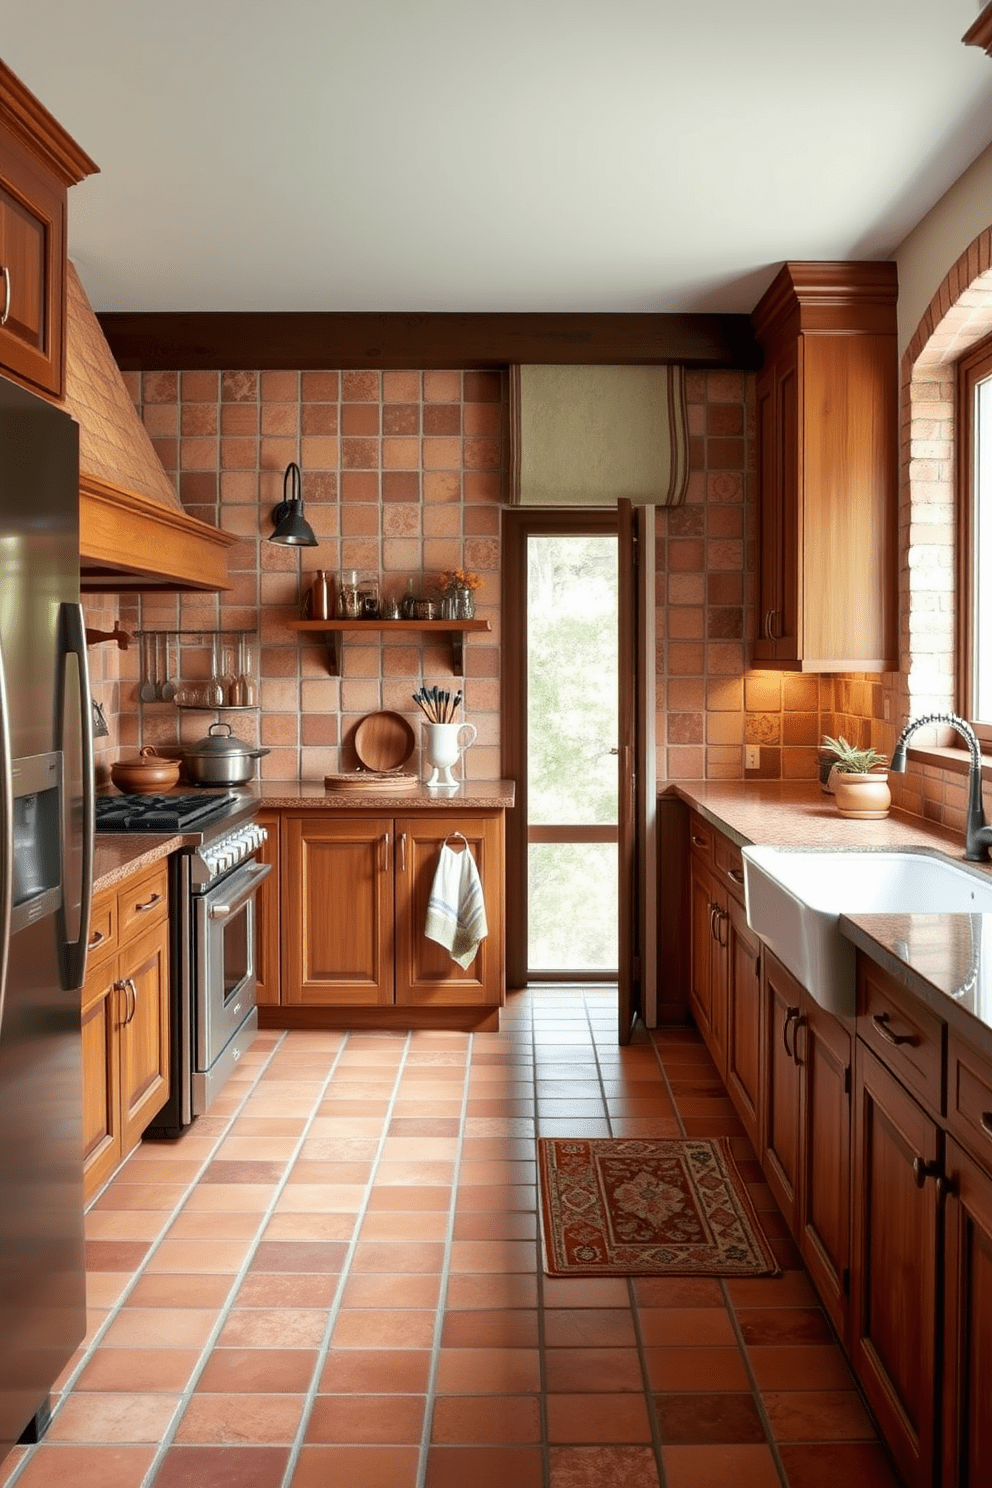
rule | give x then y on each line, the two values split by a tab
744	1019
967	1456
782	997
701	910
144	1036
268	986
103	1011
894	1285
337	911
824	1053
425	973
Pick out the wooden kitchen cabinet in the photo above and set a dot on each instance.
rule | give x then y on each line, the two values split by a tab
782	996
38	162
744	1022
827	426
125	1012
268	952
895	1299
708	961
967	1416
354	891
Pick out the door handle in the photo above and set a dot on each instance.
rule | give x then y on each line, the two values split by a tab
6	295
790	1013
72	642
385	852
134	998
6	834
401	841
881	1023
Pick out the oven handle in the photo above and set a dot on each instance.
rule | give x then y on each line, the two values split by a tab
243	885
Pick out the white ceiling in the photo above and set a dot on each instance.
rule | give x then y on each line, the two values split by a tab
432	155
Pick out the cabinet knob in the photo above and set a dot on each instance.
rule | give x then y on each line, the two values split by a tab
6	295
924	1170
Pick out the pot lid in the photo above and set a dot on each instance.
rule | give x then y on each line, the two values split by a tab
384	741
147	759
222	746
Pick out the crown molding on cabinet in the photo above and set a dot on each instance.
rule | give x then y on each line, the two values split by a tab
129	542
187	341
36	129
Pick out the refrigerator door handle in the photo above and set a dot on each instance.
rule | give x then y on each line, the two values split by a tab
72	642
6	834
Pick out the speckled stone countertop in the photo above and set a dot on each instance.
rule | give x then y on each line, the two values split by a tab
944	959
117	858
471	795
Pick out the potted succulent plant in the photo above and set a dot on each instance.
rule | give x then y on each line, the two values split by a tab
859	779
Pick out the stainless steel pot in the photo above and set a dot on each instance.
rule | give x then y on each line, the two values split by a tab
220	758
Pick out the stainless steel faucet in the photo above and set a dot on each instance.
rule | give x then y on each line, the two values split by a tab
977	832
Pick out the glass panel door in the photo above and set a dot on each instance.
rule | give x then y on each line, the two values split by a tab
571	754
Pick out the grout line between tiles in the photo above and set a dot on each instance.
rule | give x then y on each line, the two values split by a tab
335	1307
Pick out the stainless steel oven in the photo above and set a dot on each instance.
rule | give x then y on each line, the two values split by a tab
213	881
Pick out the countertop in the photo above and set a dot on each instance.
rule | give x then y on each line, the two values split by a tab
944	959
470	795
116	858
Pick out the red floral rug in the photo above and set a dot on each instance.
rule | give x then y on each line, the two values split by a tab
631	1206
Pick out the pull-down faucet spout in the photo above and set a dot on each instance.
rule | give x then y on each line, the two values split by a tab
977	833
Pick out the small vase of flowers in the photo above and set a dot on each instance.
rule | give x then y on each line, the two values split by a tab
457	586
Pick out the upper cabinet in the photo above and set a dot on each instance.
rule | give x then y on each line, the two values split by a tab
38	163
827	469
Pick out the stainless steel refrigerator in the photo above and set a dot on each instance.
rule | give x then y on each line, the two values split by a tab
46	874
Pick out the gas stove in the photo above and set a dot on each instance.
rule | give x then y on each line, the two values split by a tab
165	813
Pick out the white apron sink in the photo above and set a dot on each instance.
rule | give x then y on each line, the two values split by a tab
795	897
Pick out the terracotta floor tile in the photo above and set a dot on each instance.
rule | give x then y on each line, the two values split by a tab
287	1289
125	1224
597	1370
282	1327
358	1467
589	1327
597	1467
395	1256
494	1419
677	1291
704	1417
289	1226
375	1371
121	1416
314	1170
782	1325
686	1327
139	1369
589	1417
410	1224
818	1416
790	1289
488	1371
199	1224
392	1328
718	1466
105	1288
53	1466
243	1171
824	1466
369	1419
237	1196
474	1256
497	1197
513	1290
180	1291
506	1328
299	1255
239	1419
222	1467
682	1369
116	1255
377	1289
494	1226
584	1291
414	1196
484	1467
161	1327
800	1367
257	1371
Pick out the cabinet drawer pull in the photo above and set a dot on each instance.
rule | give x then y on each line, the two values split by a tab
148	904
881	1022
698	841
6	295
385	852
737	874
721	918
402	848
97	938
790	1013
985	1122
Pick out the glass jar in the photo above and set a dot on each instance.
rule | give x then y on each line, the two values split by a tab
464	604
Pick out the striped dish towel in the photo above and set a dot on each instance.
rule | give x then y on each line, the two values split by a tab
456	914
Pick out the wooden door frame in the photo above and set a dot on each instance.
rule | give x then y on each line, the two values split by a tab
518	524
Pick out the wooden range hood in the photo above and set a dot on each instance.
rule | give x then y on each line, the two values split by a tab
133	531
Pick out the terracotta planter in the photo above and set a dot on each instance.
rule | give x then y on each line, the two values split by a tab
864	797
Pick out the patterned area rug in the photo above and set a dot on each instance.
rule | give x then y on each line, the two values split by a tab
647	1207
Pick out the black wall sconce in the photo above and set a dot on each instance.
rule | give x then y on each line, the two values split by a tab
291	527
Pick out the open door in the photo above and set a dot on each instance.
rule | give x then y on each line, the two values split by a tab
637	865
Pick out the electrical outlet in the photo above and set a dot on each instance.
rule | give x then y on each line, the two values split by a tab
752	757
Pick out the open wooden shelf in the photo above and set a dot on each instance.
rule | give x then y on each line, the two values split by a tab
333	631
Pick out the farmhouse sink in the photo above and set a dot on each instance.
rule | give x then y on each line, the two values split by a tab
795	897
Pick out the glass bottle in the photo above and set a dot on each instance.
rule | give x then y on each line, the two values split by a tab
246	674
409	607
213	692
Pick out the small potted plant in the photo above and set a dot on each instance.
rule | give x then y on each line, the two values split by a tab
859	780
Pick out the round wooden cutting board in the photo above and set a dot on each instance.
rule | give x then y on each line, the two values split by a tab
384	741
370	783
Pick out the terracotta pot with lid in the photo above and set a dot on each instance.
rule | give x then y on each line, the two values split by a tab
147	775
221	758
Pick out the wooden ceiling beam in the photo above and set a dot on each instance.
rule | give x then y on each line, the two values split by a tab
188	341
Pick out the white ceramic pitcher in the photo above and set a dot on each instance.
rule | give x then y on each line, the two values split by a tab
444	749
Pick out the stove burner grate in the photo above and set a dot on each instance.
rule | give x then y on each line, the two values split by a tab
157	813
